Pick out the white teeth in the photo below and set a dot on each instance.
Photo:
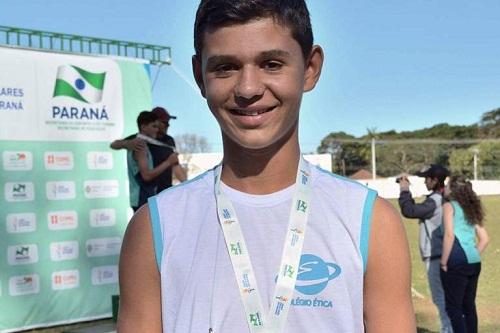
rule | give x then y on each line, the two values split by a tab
249	113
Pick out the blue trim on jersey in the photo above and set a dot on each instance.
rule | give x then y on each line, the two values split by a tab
366	224
155	226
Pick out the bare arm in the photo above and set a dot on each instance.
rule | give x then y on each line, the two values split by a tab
133	144
449	235
150	174
387	286
140	303
179	172
483	238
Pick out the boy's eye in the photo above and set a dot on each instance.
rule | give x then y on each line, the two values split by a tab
272	65
224	68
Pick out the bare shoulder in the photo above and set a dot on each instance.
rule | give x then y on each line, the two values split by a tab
140	303
387	286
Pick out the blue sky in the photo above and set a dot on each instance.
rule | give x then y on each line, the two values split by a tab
389	64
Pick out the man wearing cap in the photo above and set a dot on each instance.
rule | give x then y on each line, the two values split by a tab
430	215
159	152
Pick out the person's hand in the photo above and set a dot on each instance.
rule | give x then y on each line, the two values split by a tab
137	145
444	267
173	159
404	183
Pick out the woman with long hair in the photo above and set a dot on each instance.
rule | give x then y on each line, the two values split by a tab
465	239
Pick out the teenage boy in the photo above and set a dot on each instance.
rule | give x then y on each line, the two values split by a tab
141	172
430	239
264	242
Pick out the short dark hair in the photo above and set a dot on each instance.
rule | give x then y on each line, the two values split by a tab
214	14
146	118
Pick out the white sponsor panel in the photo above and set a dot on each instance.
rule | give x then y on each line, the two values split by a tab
62	220
104	275
21	222
99	160
48	115
60	251
105	217
24	285
58	160
101	189
19	191
60	190
66	279
17	160
101	247
22	254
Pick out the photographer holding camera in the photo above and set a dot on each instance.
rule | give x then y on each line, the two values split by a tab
430	215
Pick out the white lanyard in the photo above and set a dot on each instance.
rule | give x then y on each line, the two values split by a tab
275	320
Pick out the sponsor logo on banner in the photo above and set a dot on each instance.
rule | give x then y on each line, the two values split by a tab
104	275
66	279
21	222
60	251
24	285
19	191
105	217
58	160
62	220
17	160
80	84
60	190
101	189
99	160
22	254
101	247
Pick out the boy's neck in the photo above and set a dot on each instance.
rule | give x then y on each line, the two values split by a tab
260	171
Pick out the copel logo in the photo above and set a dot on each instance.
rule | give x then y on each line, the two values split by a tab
65	279
22	191
17	160
62	220
58	160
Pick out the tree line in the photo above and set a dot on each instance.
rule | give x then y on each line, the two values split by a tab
456	147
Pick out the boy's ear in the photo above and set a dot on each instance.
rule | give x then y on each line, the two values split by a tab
198	74
313	67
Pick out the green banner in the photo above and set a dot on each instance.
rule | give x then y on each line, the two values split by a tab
64	204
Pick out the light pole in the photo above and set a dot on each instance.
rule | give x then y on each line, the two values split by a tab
475	151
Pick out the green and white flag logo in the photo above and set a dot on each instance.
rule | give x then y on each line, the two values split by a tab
75	82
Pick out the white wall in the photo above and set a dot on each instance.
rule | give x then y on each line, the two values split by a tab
388	188
198	163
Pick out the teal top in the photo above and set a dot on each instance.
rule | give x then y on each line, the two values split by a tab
465	233
134	184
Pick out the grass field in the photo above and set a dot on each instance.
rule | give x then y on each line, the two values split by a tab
488	301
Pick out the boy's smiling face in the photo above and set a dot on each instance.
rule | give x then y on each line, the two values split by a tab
253	76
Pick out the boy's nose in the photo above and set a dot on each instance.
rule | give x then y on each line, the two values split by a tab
249	84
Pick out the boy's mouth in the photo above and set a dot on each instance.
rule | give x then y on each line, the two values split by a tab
250	112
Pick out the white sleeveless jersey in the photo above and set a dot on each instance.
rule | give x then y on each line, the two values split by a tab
198	285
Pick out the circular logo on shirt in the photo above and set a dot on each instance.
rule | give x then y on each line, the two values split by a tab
314	274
